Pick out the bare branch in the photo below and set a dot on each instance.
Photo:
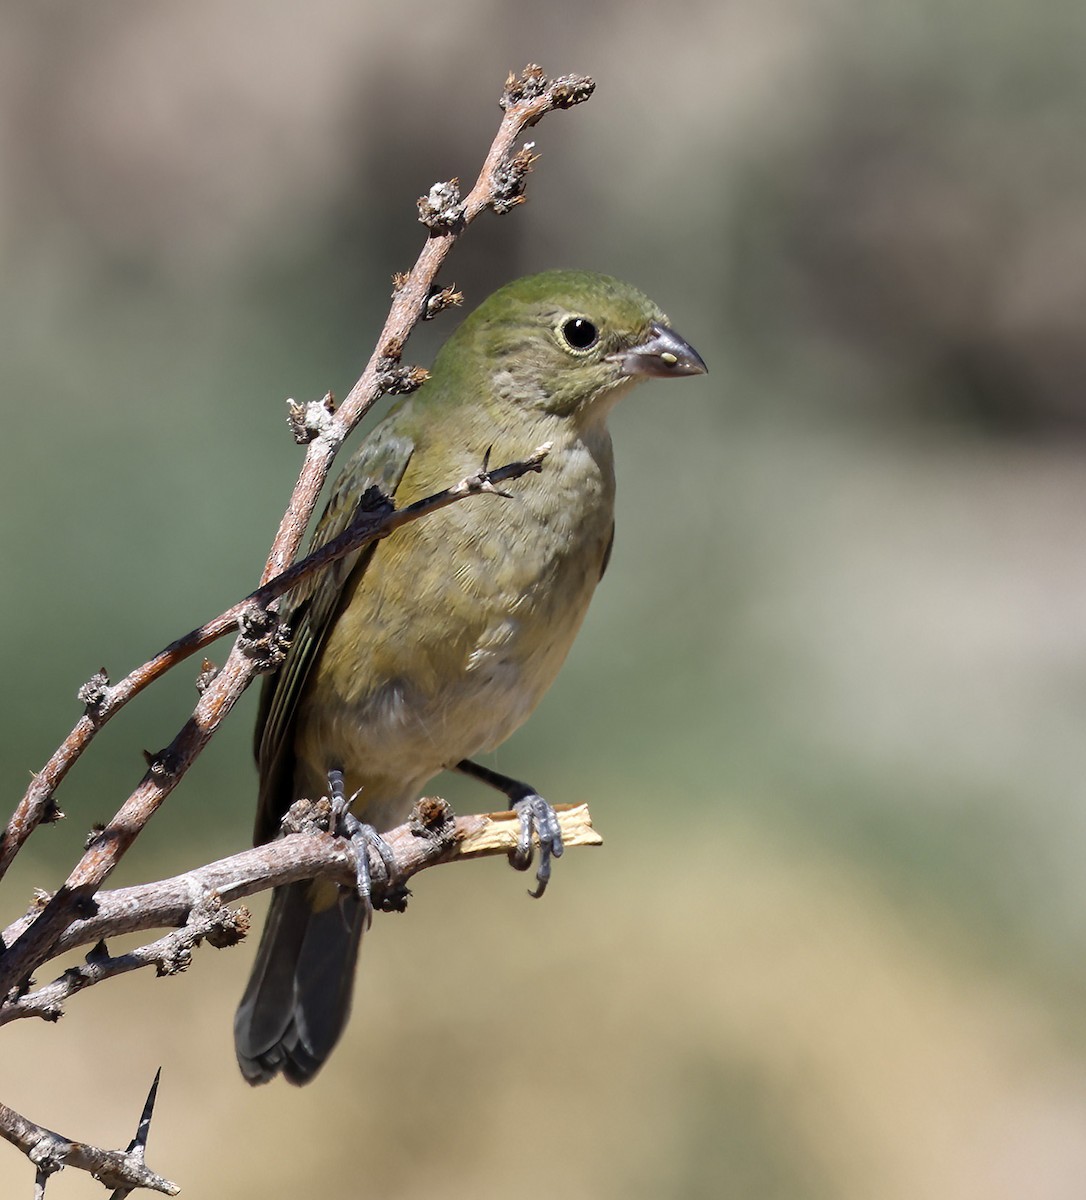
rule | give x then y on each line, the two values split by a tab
123	1170
196	901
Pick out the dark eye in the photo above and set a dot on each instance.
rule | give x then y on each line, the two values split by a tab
580	333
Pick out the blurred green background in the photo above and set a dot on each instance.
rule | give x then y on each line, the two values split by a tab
828	708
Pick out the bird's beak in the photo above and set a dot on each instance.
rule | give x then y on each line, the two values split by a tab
661	354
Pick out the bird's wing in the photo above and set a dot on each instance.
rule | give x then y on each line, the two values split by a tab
309	612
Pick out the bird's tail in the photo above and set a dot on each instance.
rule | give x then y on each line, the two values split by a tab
299	994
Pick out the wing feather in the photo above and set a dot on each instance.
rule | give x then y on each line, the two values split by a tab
309	613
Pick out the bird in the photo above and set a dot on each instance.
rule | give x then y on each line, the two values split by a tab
418	653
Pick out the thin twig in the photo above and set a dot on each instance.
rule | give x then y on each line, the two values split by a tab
499	186
50	1152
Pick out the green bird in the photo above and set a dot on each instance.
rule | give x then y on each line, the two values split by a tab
416	654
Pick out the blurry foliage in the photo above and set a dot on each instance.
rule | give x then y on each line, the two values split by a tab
841	644
927	219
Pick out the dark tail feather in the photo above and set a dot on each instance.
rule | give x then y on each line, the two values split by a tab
299	994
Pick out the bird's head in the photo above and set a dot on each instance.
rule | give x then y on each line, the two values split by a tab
568	343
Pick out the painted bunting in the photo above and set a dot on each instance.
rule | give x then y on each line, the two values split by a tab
417	653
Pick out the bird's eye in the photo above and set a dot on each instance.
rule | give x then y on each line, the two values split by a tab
580	333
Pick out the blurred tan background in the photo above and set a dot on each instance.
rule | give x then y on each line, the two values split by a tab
828	708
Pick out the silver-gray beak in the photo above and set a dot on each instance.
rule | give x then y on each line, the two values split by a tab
662	354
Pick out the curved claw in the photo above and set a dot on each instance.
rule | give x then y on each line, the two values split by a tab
363	838
539	818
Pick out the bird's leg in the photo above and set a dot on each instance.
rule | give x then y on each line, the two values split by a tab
362	837
536	816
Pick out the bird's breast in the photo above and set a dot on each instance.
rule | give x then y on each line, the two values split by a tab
459	625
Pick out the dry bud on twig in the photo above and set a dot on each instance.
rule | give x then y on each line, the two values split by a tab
395	379
310	420
94	694
440	210
441	299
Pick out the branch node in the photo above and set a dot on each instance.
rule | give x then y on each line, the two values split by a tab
176	959
484	479
511	178
307	816
74	979
440	299
441	210
206	676
98	953
21	989
531	82
262	637
232	927
395	379
213	921
52	1011
433	818
310	420
569	90
162	766
48	1153
95	694
95	832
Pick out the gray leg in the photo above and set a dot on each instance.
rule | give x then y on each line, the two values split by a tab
536	816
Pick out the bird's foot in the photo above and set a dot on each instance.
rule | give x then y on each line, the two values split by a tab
363	839
537	818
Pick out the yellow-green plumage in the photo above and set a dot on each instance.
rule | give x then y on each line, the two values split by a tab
436	644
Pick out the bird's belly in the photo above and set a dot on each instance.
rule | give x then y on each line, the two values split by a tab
416	723
450	670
